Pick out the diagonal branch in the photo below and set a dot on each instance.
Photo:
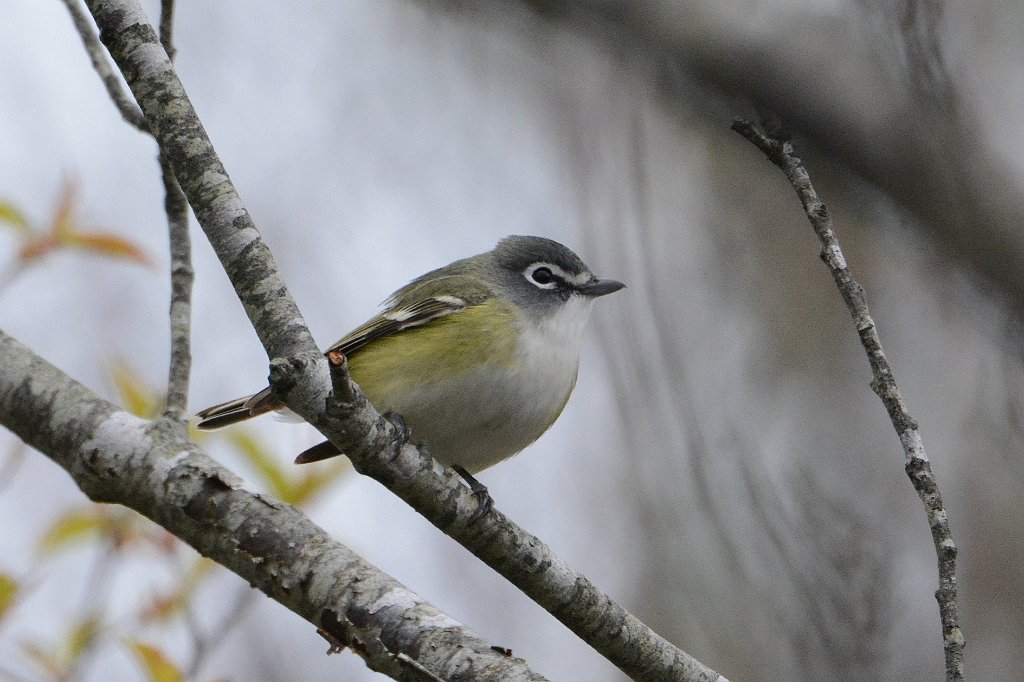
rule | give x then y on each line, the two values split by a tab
299	376
918	467
129	110
154	468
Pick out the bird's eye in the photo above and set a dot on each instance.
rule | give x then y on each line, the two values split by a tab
542	276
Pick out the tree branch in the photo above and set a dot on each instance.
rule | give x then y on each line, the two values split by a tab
133	44
154	468
182	274
298	375
175	205
129	110
918	467
167	27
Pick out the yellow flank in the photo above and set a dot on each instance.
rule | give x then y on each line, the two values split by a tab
441	350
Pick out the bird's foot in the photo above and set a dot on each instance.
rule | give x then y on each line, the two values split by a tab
484	500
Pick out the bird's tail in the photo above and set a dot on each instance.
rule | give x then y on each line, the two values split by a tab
237	410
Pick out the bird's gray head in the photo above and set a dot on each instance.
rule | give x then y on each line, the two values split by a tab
540	274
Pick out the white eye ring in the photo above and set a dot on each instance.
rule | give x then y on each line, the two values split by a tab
543	275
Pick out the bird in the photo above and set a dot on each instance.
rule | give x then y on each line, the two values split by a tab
478	357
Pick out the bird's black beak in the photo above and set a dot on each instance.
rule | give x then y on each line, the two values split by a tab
600	287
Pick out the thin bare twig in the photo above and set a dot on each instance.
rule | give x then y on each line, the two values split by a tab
182	273
175	205
204	642
918	467
167	27
130	111
182	276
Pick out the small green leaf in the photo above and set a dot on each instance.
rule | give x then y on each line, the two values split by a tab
293	488
57	660
267	468
317	479
137	398
9	215
71	527
157	666
81	637
8	593
117	525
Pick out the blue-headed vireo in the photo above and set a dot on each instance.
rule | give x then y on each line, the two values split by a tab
479	357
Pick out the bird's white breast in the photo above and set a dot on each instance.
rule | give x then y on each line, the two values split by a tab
489	414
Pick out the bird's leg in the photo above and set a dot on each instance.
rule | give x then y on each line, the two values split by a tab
484	499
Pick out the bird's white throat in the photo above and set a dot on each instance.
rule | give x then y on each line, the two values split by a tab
550	345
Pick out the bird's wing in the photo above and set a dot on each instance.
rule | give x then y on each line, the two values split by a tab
413	306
